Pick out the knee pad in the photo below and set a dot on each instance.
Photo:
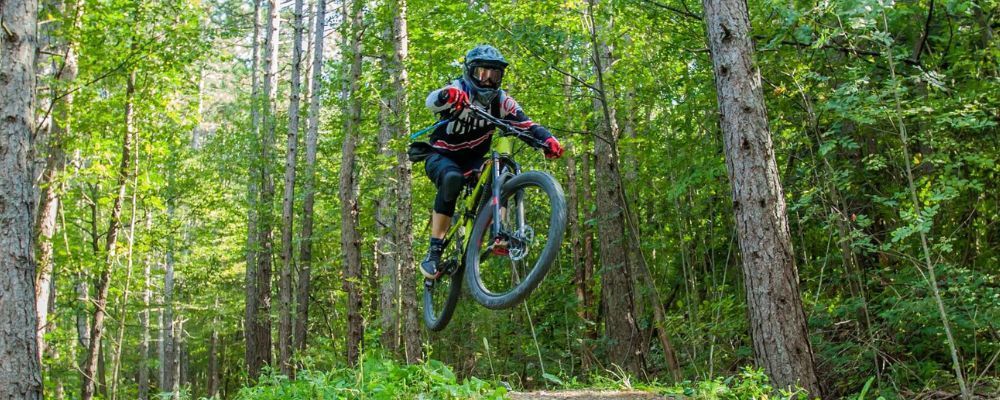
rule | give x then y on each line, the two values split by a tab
451	185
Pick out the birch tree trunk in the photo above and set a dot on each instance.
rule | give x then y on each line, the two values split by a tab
616	278
777	319
111	244
404	212
20	370
312	137
288	203
350	239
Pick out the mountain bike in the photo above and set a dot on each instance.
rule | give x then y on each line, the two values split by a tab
505	233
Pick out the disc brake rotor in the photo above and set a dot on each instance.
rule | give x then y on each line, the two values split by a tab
520	243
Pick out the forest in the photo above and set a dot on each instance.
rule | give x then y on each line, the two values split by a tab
211	199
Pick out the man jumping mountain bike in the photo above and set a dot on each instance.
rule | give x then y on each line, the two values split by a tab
461	141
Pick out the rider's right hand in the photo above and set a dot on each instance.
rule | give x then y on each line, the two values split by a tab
453	96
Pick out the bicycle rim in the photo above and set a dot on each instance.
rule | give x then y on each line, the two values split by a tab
506	266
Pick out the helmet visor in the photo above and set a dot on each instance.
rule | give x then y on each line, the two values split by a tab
487	76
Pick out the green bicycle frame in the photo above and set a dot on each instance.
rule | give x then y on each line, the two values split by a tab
503	147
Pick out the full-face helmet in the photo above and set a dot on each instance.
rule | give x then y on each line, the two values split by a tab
484	70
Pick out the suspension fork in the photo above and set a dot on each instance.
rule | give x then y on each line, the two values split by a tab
495	198
519	202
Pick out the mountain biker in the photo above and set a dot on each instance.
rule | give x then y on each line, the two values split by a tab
460	145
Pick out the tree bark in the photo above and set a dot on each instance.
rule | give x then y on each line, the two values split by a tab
404	213
777	319
20	370
144	326
213	353
168	363
250	328
123	300
50	184
261	354
350	239
312	137
111	244
385	249
288	203
616	273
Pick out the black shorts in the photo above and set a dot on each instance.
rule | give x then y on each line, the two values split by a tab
437	166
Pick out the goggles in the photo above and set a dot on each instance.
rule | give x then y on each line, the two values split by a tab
487	76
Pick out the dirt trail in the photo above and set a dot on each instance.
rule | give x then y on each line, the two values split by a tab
587	395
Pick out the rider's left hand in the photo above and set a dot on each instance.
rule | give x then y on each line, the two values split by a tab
552	148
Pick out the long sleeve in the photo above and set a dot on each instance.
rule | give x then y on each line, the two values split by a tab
511	111
433	98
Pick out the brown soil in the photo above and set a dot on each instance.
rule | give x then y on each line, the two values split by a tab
587	395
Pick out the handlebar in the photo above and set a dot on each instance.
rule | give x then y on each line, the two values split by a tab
507	128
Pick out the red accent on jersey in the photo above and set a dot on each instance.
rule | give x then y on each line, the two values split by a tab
441	144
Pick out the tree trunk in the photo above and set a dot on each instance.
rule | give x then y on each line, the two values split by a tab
587	199
616	277
250	328
385	252
182	359
50	184
261	353
168	363
83	301
111	244
350	239
404	212
116	356
312	136
777	319
288	203
144	326
20	371
213	353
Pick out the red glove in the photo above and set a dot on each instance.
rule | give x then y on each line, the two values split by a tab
454	96
552	148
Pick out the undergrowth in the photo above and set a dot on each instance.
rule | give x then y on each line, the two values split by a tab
376	378
382	378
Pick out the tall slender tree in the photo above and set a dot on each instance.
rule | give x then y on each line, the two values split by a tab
312	137
777	320
350	238
51	185
404	213
385	257
616	276
250	326
261	354
94	354
288	203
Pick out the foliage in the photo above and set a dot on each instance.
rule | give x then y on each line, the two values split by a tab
831	103
376	378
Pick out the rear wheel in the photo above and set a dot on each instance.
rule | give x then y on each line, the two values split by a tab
441	295
505	267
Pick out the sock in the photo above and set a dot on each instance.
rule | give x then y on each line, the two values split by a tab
437	242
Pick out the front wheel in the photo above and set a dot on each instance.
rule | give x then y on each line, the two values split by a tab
505	266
